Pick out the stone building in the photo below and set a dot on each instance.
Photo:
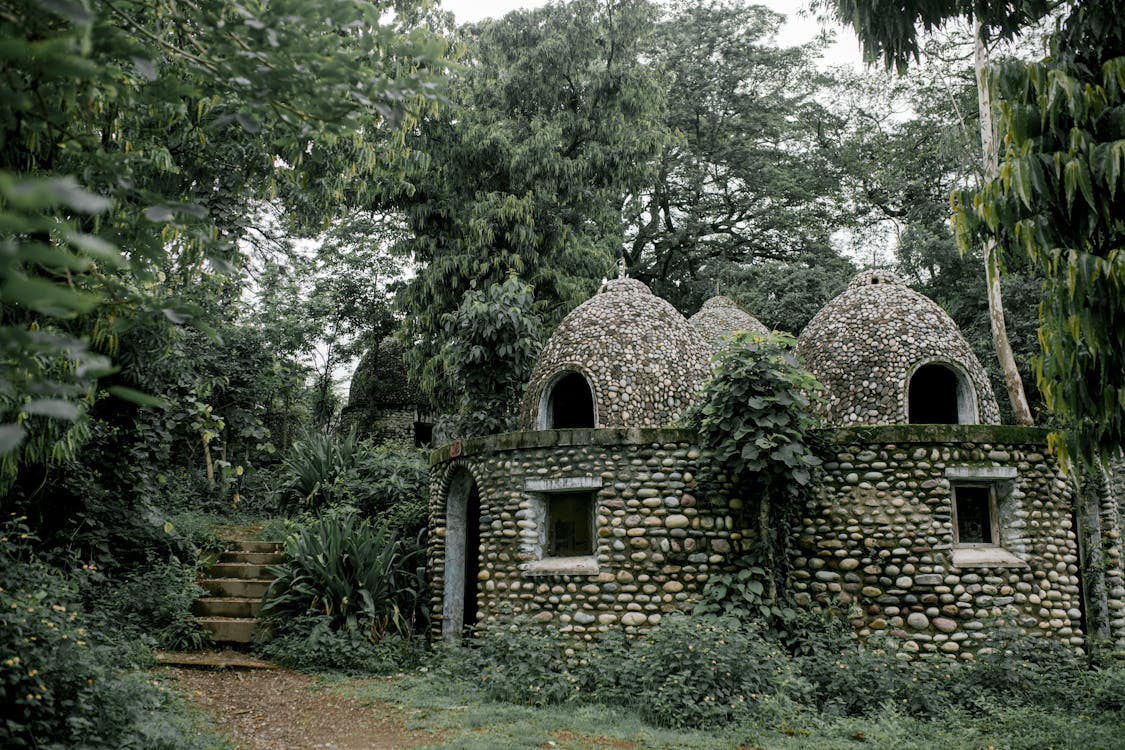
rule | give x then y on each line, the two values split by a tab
383	402
934	524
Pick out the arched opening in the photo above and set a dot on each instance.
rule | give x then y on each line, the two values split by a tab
462	556
939	394
568	403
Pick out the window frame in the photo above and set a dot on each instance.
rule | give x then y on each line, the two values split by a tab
993	515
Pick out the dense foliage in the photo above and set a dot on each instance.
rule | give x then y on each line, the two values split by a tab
1056	204
754	416
357	576
710	672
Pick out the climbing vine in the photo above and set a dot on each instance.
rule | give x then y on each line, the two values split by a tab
754	416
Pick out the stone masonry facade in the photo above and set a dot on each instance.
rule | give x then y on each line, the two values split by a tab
878	539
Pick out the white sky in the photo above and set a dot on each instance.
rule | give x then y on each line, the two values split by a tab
797	29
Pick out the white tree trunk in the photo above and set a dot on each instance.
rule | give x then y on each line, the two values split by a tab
991	269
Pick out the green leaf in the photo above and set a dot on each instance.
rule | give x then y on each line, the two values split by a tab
54	408
46	297
11	437
135	396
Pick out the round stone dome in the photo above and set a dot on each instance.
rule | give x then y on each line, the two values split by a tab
888	355
720	317
380	378
623	358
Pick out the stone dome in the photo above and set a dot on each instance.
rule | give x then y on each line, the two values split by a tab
380	378
888	355
623	358
720	317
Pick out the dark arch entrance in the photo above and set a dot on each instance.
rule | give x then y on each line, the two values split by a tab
938	394
462	556
570	404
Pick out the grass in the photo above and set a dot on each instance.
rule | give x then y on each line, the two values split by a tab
429	703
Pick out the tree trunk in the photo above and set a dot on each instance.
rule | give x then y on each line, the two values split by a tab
1012	379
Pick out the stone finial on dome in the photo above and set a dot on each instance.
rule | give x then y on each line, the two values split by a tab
888	355
623	358
720	317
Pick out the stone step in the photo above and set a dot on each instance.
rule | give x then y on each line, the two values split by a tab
255	558
236	587
241	570
229	629
242	545
227	606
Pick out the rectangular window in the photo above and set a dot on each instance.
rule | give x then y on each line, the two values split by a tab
975	517
570	524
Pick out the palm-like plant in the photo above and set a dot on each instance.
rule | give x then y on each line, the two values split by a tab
357	575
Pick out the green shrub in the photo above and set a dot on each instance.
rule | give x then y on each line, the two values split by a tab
1105	692
358	576
858	681
153	603
1012	667
65	684
309	644
386	483
521	663
311	470
697	672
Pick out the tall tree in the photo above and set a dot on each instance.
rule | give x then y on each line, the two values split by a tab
138	142
1058	201
894	37
554	120
744	180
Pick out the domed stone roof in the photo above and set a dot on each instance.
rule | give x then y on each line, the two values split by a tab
720	317
889	355
642	363
380	378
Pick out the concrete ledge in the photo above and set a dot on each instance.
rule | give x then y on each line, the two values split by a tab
936	433
896	433
511	441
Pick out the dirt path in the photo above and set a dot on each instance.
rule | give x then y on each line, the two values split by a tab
283	710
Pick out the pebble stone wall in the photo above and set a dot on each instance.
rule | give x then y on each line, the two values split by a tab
1112	523
720	317
865	343
880	538
643	360
655	547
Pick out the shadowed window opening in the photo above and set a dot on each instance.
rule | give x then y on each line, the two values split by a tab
571	404
975	516
570	524
934	396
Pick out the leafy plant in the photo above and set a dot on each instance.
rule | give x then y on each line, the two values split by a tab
754	415
64	682
357	575
740	595
310	644
693	671
491	342
312	468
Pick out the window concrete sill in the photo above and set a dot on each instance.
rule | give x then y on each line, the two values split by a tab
556	566
985	557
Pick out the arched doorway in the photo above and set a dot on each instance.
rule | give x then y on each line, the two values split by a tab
940	394
462	555
567	403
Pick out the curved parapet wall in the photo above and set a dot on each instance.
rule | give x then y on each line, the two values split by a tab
940	535
868	343
641	360
653	546
934	535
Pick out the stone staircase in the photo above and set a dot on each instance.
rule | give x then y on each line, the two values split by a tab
235	585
